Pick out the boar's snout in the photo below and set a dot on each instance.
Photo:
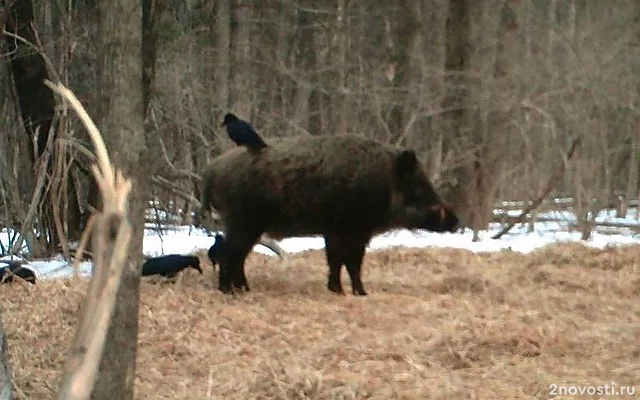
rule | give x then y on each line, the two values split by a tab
436	218
448	218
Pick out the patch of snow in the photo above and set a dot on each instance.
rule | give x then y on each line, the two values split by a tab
188	239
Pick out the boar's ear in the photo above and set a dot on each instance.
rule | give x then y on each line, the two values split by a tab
406	163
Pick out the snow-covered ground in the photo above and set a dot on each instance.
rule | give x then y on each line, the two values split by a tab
185	240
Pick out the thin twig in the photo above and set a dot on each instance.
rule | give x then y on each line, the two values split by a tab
178	171
37	191
84	239
170	186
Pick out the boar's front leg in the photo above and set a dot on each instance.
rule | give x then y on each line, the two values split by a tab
346	249
238	244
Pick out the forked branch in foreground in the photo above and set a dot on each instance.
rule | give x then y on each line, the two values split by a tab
111	235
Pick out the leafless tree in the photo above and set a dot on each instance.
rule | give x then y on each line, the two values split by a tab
121	117
490	92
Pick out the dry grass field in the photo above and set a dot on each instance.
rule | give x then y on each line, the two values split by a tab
437	324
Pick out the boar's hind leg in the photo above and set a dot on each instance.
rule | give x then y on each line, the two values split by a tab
353	258
335	259
349	250
238	244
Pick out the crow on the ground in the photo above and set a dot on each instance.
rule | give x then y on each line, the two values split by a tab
169	265
10	268
242	133
216	250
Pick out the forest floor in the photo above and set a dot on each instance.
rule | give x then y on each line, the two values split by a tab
437	324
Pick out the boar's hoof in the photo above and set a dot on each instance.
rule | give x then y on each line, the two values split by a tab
225	287
226	290
240	282
241	286
359	292
335	287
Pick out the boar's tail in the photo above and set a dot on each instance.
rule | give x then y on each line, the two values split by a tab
207	186
205	200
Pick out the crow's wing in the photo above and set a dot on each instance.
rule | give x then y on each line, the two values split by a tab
242	133
248	129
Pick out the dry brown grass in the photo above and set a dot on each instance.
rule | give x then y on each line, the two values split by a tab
438	324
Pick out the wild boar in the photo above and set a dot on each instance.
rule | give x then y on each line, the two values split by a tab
344	187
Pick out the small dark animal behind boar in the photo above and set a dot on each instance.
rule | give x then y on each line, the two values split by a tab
215	251
10	268
346	188
169	265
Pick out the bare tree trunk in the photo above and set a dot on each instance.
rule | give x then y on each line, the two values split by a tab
240	53
629	161
152	10
529	163
307	98
430	133
222	39
29	71
488	145
636	129
406	37
5	371
549	127
122	123
37	105
341	110
456	119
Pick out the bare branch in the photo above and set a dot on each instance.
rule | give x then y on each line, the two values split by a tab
37	192
84	239
168	185
553	180
181	172
110	243
38	48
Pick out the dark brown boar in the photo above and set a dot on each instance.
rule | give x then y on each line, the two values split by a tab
344	187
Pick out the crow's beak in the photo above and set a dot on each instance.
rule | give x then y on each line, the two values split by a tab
223	123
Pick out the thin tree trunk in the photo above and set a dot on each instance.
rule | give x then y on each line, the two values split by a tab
405	40
122	124
486	169
636	128
341	110
307	98
222	39
457	63
36	101
240	52
37	104
151	12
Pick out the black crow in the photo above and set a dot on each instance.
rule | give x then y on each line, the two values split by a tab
215	250
15	268
242	133
169	265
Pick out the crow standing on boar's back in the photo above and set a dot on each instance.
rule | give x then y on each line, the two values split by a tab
242	133
169	265
344	187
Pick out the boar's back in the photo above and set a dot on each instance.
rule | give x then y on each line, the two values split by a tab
305	185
